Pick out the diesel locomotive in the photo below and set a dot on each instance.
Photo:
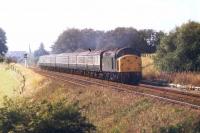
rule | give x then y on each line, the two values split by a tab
118	65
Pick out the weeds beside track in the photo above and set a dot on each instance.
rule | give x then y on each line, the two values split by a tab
169	95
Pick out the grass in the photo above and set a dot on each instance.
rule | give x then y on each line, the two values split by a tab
9	82
111	111
32	79
149	71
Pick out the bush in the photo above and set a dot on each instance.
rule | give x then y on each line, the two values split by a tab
179	50
188	126
42	117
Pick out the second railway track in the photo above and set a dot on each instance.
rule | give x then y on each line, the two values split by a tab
169	95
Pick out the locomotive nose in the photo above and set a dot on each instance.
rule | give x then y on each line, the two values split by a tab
129	63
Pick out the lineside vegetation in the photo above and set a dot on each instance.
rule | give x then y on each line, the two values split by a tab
151	72
179	50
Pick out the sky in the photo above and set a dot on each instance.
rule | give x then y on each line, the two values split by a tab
30	22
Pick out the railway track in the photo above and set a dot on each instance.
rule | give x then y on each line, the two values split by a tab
165	94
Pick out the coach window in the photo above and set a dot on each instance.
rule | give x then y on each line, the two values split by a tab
112	63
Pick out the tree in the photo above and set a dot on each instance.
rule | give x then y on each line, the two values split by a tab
180	49
3	47
152	39
123	37
73	39
41	51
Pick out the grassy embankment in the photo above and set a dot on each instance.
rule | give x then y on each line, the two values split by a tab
151	72
112	111
9	82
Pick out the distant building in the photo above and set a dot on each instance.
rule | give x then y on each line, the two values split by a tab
16	55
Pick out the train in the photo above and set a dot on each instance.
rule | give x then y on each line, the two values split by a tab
119	65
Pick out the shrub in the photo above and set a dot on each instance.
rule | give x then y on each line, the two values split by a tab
42	117
188	126
179	50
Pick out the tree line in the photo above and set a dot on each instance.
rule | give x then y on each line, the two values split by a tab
71	40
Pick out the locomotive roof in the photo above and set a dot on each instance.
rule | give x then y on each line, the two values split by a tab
121	51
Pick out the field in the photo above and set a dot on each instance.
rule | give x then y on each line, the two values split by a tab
109	110
149	71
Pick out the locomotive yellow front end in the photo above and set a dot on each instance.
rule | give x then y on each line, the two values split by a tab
129	63
130	69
